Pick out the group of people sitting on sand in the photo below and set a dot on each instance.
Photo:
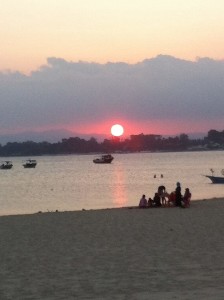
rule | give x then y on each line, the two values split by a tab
162	198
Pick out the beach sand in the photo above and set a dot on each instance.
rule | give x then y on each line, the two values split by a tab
156	253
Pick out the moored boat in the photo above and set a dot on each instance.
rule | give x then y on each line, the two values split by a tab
216	179
6	165
30	163
104	159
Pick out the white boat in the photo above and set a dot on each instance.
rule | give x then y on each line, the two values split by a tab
104	159
30	163
6	165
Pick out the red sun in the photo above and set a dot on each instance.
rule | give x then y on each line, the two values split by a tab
117	130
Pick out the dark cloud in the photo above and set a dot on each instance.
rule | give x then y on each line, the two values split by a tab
162	88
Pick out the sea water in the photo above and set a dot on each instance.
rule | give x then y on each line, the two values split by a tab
74	182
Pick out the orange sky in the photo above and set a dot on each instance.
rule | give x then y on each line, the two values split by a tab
160	127
102	31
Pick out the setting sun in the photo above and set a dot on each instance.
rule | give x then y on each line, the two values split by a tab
117	130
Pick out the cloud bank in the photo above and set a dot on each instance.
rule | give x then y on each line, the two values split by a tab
79	95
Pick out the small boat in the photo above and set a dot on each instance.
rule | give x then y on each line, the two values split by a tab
216	179
104	159
6	165
30	163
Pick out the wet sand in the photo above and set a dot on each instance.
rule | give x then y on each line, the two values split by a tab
156	253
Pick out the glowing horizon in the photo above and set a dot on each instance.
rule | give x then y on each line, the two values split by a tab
153	89
130	128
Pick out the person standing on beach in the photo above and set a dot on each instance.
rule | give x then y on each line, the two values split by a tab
187	198
161	192
178	194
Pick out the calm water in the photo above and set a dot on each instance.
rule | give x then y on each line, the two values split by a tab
74	182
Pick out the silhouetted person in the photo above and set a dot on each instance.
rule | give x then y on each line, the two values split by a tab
156	200
178	195
161	192
143	202
150	202
186	198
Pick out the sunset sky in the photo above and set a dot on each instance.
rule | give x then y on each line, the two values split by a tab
38	36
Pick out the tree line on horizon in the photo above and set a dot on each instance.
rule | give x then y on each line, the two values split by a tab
136	143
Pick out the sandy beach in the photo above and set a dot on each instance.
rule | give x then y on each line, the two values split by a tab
156	253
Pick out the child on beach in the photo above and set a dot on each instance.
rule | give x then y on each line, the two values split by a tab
156	200
186	198
172	198
143	202
150	202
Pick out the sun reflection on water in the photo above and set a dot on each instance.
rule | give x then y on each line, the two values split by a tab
120	198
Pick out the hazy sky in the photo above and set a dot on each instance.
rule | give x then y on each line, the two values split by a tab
42	42
105	30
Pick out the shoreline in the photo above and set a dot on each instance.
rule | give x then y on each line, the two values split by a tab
103	209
